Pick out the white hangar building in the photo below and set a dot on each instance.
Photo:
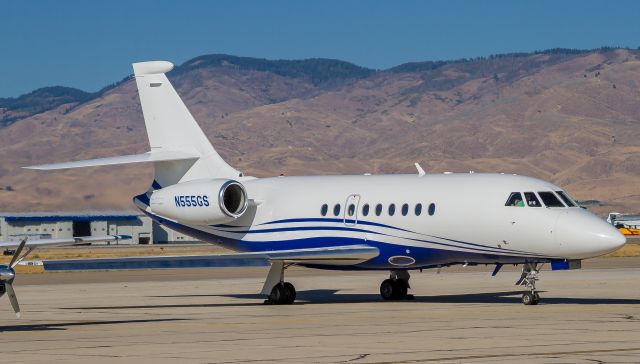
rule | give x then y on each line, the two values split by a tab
15	226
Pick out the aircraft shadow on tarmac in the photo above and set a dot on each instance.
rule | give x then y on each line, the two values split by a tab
64	325
328	296
333	296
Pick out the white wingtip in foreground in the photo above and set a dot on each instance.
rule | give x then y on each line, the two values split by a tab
395	223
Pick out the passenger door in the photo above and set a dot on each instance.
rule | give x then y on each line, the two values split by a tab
351	210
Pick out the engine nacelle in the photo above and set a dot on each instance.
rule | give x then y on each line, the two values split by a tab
202	202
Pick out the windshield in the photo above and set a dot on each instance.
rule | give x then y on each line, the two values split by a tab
550	199
567	200
532	200
515	199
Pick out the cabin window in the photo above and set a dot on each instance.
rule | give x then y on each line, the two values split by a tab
515	199
365	209
351	210
324	209
405	209
418	209
567	200
378	209
336	210
550	199
392	209
432	209
532	199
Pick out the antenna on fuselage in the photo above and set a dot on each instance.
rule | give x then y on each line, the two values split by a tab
421	171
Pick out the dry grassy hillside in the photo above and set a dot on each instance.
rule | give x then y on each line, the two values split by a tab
569	117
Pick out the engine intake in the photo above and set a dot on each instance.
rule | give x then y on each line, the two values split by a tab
202	202
233	199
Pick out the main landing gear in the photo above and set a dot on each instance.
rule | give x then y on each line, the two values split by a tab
277	290
395	288
528	279
283	293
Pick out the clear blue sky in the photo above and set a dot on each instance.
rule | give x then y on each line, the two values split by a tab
88	44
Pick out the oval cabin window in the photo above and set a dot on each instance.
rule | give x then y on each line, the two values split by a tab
336	210
365	209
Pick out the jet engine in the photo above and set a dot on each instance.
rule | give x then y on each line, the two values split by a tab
201	202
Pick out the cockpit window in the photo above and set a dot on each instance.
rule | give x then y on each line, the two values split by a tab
532	200
515	199
549	199
567	200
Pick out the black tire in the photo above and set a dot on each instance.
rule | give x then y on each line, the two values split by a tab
528	299
387	290
400	289
291	292
536	298
278	294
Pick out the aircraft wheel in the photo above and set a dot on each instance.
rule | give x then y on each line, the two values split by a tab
401	289
536	298
387	290
529	298
282	294
291	292
278	294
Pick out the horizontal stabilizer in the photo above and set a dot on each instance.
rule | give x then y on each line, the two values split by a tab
153	156
65	241
339	255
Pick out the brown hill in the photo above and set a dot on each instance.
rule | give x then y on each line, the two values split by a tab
571	117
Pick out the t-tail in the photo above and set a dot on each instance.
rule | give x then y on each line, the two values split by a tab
179	149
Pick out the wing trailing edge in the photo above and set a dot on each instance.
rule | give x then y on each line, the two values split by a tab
339	255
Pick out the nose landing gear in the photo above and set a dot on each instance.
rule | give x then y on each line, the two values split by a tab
528	279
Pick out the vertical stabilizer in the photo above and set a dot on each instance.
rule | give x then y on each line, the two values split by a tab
171	127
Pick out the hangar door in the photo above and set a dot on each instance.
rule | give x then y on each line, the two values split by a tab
81	228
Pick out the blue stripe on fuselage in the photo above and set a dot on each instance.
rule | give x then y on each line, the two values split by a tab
425	257
474	246
351	229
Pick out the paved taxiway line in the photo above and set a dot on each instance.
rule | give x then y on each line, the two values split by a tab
214	316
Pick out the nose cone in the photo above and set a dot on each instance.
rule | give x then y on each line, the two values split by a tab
582	234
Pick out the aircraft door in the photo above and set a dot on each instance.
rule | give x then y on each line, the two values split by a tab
351	210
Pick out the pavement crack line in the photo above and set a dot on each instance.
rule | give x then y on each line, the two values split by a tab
361	356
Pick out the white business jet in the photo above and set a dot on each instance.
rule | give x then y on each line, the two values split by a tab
396	223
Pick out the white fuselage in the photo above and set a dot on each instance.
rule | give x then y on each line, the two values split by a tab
463	219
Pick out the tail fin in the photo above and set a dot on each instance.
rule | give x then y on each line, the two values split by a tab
171	127
180	150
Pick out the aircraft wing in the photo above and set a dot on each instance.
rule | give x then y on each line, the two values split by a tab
64	241
339	255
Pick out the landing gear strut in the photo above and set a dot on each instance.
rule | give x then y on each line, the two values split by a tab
277	290
528	279
395	288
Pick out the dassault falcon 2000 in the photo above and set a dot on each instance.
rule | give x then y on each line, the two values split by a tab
359	222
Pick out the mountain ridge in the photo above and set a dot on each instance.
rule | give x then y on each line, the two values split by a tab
320	70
